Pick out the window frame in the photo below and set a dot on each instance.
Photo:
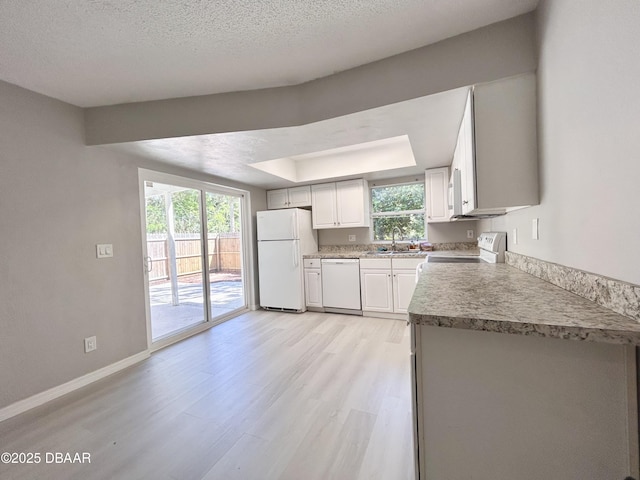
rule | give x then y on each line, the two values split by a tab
398	213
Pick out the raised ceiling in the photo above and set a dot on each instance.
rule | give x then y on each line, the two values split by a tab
104	52
431	124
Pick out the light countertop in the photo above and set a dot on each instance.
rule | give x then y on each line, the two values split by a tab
399	254
500	298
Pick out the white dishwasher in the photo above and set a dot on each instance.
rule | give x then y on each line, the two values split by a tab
341	285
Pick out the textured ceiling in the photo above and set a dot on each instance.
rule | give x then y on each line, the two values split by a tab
431	124
103	52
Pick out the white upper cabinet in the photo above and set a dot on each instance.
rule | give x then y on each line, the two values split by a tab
289	197
277	198
496	153
436	192
340	204
323	205
300	196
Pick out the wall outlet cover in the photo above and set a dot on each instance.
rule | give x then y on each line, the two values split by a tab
514	237
469	233
104	250
352	238
535	225
90	344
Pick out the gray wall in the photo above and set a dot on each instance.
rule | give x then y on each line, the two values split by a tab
496	51
589	145
58	198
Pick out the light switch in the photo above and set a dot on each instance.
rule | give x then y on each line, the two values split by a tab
104	250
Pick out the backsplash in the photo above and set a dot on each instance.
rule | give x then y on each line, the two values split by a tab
368	247
621	297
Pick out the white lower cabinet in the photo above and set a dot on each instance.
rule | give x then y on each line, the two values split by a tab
376	285
386	284
313	282
404	283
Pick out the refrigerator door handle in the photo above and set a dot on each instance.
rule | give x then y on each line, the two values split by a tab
295	254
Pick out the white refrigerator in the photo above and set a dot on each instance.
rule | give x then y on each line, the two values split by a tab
284	236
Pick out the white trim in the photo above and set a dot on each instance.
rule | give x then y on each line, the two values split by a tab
390	316
194	330
41	398
397	213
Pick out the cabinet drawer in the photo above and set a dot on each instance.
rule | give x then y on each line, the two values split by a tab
375	263
311	263
407	263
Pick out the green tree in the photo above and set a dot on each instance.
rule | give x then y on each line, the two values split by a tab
404	209
223	212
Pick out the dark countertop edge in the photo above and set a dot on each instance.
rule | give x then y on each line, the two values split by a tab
541	330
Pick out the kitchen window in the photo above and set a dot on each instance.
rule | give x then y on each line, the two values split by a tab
401	206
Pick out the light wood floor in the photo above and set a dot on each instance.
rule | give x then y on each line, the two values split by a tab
263	396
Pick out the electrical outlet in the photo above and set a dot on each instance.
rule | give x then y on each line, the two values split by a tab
352	238
104	250
469	233
535	233
90	344
514	238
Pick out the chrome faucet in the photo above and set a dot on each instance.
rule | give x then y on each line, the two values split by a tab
393	237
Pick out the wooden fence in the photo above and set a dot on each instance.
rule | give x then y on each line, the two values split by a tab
224	255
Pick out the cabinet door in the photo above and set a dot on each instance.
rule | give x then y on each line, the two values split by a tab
404	282
313	287
436	190
467	157
300	196
277	199
376	290
323	205
351	208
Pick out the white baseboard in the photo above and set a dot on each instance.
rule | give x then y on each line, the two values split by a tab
41	398
392	316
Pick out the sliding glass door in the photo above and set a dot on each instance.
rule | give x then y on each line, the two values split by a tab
224	236
193	246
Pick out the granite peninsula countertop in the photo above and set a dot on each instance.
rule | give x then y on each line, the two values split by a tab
501	298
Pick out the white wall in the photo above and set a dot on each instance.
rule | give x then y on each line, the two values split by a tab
58	198
589	139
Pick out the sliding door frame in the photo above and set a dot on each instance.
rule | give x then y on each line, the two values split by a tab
145	175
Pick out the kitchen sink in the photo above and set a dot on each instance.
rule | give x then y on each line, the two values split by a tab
387	254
